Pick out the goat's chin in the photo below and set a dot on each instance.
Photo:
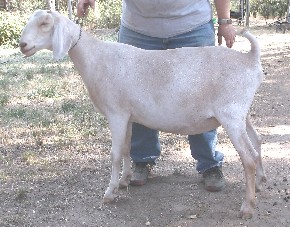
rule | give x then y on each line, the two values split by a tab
28	55
29	52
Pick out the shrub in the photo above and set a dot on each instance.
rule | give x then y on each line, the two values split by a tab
12	23
10	28
109	13
269	8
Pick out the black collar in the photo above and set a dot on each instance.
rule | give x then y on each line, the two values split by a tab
77	40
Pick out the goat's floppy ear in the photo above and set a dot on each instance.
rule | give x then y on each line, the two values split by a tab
61	39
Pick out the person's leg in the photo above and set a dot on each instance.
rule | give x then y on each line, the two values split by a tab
145	146
203	149
203	146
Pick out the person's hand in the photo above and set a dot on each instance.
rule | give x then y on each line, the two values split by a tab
227	32
83	7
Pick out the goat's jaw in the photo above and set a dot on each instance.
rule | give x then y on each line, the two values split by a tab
28	52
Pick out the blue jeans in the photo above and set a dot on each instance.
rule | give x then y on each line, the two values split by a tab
145	146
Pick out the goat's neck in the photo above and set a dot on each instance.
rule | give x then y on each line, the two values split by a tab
84	53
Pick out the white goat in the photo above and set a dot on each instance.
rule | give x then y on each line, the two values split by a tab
186	91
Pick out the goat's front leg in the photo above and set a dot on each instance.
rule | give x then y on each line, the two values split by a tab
112	190
127	172
119	128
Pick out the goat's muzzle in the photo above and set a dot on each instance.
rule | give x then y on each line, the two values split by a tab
24	50
22	44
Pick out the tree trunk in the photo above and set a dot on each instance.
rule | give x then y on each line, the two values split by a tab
57	5
69	9
247	13
288	11
51	4
242	8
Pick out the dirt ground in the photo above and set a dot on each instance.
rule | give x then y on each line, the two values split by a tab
175	195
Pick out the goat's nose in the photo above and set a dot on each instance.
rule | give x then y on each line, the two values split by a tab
22	44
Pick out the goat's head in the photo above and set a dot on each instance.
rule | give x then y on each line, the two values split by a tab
45	30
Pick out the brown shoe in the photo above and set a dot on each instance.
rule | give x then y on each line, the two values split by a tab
214	180
140	174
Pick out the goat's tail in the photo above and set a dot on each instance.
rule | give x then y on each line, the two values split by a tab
255	47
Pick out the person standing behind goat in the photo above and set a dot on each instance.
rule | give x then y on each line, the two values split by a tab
170	24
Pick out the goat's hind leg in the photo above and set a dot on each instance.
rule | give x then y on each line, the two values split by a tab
256	141
239	137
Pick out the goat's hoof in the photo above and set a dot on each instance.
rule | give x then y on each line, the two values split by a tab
247	209
258	187
123	185
245	215
124	182
108	199
110	195
263	179
246	212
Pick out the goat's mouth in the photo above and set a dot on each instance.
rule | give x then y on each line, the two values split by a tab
28	52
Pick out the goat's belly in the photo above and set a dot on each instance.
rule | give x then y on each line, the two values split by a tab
180	126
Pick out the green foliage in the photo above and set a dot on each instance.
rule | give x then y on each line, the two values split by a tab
109	13
269	8
4	99
18	112
10	28
235	5
49	92
26	7
68	106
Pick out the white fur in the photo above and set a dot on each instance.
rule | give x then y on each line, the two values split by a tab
61	40
186	91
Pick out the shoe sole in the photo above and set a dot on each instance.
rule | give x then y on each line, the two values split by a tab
137	182
214	189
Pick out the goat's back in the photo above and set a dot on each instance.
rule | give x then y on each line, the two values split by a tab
174	89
